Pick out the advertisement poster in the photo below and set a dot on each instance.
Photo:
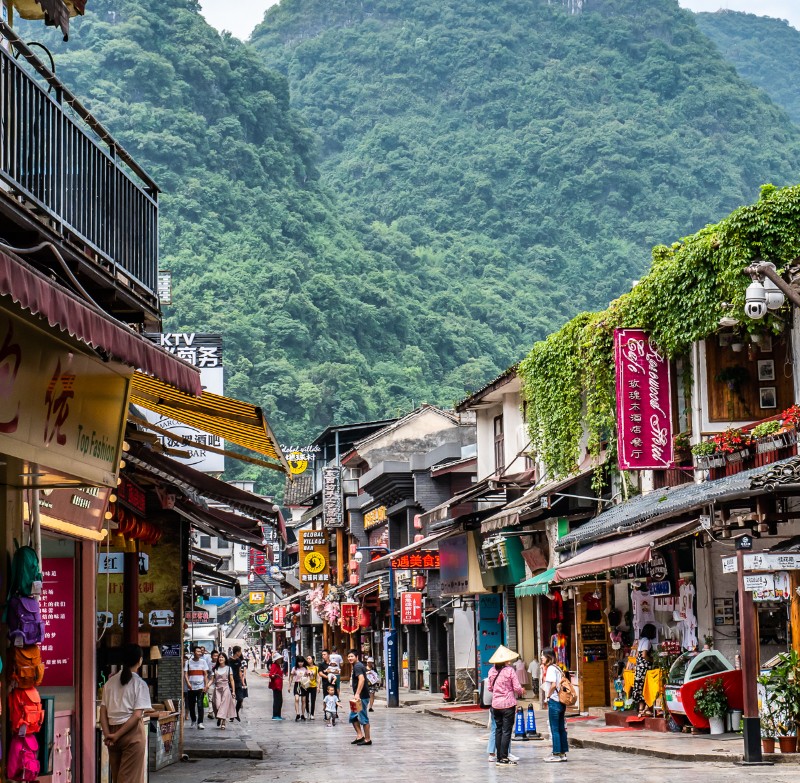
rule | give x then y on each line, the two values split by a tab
58	612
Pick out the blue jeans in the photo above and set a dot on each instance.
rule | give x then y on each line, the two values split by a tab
362	716
491	746
556	713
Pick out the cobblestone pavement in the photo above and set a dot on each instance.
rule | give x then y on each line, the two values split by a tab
408	747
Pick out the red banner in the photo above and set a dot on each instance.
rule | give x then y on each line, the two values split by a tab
411	608
349	621
278	616
58	612
644	403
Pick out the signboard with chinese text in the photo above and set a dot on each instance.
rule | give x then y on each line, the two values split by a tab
164	287
332	515
279	616
204	351
196	617
58	613
59	407
82	506
257	561
314	557
426	559
758	582
258	597
411	608
375	517
644	402
349	617
772	562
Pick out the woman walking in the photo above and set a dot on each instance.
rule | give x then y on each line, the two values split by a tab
556	711
125	700
644	662
224	690
276	685
505	687
299	681
373	682
214	658
313	685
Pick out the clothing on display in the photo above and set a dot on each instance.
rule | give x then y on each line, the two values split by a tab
522	672
643	611
594	608
687	622
559	644
557	606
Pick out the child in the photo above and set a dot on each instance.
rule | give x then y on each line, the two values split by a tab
332	673
332	704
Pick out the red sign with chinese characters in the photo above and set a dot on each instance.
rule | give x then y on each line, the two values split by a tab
258	561
411	608
424	559
349	620
279	616
644	402
58	612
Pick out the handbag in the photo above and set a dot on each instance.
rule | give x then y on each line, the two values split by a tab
205	700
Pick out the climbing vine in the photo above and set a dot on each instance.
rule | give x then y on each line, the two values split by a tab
568	379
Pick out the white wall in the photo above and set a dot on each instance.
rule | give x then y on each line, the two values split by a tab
485	436
464	638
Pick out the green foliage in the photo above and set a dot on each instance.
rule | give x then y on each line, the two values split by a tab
764	51
710	700
782	683
678	302
765	428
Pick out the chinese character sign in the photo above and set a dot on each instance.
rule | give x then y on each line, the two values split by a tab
644	402
58	612
279	616
349	618
426	559
411	608
332	497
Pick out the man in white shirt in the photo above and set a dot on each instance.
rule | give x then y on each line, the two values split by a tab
196	673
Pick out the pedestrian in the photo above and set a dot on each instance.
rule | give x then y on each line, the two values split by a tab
214	658
196	677
331	704
239	672
276	685
313	685
224	690
125	700
299	682
373	682
286	658
504	686
556	711
359	705
644	662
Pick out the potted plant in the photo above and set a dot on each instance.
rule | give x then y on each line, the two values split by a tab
706	456
782	684
711	701
768	732
681	446
790	418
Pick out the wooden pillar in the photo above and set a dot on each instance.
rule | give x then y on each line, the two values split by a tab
794	616
342	555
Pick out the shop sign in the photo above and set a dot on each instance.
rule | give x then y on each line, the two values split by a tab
204	351
332	497
132	495
657	568
644	402
775	562
314	557
257	561
82	506
59	407
781	589
349	617
58	613
659	588
278	616
729	565
379	538
758	582
411	608
196	617
170	651
426	559
375	517
454	565
258	598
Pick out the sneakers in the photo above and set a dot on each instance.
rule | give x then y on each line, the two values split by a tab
296	718
512	757
276	718
555	759
492	758
311	717
193	725
507	762
200	726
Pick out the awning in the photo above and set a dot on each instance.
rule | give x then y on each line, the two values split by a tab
64	311
238	422
241	531
464	503
536	585
367	588
622	552
206	575
425	543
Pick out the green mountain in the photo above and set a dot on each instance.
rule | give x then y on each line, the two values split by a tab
764	51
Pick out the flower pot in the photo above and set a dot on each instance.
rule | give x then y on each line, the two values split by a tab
736	719
788	744
768	744
716	725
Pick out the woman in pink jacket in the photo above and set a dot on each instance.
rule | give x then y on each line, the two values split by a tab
505	687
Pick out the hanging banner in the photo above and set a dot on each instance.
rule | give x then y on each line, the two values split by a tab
332	515
644	402
349	619
58	613
278	616
411	608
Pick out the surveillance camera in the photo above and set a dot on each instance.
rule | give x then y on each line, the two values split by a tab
358	557
755	310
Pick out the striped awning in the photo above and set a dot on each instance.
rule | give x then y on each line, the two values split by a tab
536	585
237	422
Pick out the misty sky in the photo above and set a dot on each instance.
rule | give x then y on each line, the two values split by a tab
241	16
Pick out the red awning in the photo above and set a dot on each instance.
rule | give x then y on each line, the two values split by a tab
621	552
42	297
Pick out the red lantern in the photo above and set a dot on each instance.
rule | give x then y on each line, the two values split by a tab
364	618
296	608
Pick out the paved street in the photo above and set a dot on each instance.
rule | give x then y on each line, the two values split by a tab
410	746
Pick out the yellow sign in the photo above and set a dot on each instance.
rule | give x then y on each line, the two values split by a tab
298	462
375	517
258	598
314	557
60	407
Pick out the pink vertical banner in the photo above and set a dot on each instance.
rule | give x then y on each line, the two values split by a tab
644	403
58	612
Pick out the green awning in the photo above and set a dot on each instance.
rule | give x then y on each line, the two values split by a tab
536	585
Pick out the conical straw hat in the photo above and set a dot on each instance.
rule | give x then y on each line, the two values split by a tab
503	655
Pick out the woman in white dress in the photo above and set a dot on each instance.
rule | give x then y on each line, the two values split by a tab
224	704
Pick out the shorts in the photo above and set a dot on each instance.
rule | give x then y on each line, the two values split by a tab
362	716
332	716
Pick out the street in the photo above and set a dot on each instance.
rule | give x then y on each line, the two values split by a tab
419	745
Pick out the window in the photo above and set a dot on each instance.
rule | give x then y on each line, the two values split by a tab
225	565
499	449
222	544
205	542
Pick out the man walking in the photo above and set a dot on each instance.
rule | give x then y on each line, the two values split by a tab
359	716
236	663
196	674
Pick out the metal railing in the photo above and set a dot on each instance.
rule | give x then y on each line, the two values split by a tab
57	157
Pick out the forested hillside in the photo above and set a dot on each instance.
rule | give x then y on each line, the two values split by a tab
765	51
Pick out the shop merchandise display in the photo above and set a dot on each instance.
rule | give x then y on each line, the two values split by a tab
687	622
558	641
643	610
594	612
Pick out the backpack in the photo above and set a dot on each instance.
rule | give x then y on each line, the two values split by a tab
25	709
27	668
373	678
566	691
305	682
25	573
25	625
23	758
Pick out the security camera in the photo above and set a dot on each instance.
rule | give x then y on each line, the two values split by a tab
755	300
755	310
358	557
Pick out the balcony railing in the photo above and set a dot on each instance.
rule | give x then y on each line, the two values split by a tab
60	161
